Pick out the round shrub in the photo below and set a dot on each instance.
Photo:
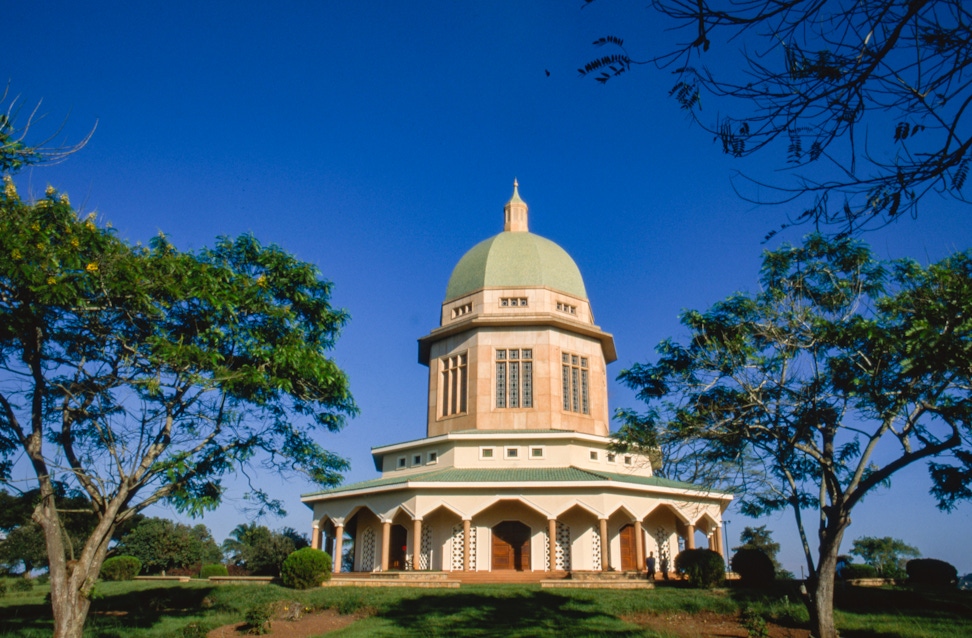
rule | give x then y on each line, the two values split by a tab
855	570
703	567
216	569
931	571
120	568
754	567
306	568
24	584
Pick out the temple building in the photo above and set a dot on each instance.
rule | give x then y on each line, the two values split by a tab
516	470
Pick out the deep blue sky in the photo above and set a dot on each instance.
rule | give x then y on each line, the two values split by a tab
380	140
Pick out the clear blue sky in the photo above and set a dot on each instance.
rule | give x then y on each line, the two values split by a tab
380	140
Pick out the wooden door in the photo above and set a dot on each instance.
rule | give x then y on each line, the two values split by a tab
629	550
511	546
399	547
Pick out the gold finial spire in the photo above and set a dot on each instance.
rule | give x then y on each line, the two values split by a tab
516	212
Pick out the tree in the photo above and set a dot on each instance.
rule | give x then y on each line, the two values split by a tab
866	103
163	545
887	555
260	551
24	543
142	375
762	539
16	152
815	391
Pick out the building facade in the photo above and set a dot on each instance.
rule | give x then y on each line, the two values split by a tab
516	471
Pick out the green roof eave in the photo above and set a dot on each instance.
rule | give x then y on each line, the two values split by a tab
519	476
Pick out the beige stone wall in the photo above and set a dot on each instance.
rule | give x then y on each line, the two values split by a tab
547	412
540	301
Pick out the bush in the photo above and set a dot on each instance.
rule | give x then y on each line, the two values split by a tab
854	570
258	619
931	571
23	584
703	567
120	568
306	568
215	569
754	567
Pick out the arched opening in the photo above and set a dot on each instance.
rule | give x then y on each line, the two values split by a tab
511	546
398	548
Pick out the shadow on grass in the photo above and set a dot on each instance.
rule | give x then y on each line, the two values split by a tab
898	610
113	615
521	614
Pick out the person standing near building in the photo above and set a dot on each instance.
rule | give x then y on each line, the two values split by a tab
650	565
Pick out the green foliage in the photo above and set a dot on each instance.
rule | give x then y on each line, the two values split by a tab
787	396
856	570
3	588
121	568
260	551
887	555
164	545
306	568
754	567
753	622
258	619
143	375
703	567
193	630
931	571
215	569
24	584
762	539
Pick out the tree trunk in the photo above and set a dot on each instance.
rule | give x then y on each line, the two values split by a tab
821	585
71	581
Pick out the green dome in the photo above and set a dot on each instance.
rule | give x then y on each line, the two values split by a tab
516	260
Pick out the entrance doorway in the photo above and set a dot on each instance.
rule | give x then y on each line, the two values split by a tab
629	549
398	548
511	546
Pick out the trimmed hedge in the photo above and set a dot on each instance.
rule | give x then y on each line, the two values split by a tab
703	567
120	568
216	569
754	567
931	571
306	568
856	570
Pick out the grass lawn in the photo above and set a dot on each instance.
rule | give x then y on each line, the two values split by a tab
188	610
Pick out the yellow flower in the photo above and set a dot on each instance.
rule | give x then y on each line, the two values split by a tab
75	243
89	226
262	281
15	255
51	281
64	199
8	187
35	227
49	191
92	267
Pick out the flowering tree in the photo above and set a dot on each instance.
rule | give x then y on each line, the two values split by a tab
141	375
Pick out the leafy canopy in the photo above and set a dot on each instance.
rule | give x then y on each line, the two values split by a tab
887	555
163	545
130	369
813	392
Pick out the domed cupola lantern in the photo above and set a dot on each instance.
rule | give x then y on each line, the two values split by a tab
516	321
